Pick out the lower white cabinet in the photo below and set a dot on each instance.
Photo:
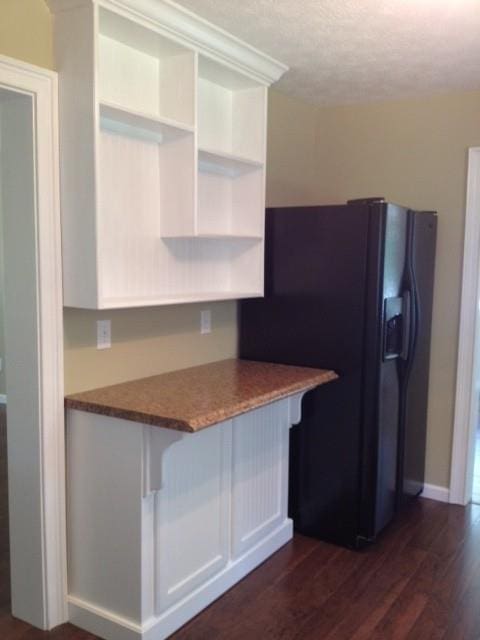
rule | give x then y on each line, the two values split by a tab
162	522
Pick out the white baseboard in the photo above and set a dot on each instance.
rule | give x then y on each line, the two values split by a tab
434	492
3	398
107	624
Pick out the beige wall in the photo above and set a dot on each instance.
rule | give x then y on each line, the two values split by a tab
292	177
26	31
144	341
412	152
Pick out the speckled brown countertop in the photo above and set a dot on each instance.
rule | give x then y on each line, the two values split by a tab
198	397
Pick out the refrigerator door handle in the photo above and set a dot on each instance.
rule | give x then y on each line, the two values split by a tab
393	328
407	311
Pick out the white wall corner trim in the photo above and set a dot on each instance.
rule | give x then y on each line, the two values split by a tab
468	369
434	492
46	606
189	29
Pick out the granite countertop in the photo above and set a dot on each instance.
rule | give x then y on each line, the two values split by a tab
199	397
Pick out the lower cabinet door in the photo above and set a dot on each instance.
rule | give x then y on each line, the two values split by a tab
259	474
192	513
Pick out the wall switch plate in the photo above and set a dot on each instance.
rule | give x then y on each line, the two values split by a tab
104	334
205	321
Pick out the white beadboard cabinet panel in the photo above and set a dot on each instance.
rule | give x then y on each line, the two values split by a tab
129	220
162	125
248	216
249	115
193	511
214	116
128	77
104	514
177	180
247	268
203	259
260	464
178	77
214	204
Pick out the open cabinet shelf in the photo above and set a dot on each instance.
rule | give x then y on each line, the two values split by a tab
123	303
226	164
163	125
140	125
231	200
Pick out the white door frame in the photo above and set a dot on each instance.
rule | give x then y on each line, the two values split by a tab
38	497
468	364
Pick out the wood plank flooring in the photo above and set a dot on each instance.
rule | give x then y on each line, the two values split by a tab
421	581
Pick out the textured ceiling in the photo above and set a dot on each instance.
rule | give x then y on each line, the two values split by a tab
343	51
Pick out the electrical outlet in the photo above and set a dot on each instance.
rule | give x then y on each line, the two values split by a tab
104	334
205	321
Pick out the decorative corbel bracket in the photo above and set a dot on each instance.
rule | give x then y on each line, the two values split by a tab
156	441
295	408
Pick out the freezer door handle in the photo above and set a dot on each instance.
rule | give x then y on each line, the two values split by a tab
407	323
393	328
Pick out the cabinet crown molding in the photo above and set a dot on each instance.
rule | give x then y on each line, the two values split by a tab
190	30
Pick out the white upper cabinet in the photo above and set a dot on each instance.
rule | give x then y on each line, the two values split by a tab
143	72
162	146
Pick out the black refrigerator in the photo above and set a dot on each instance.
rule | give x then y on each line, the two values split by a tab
349	287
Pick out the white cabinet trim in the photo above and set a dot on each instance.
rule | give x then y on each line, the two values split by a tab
192	31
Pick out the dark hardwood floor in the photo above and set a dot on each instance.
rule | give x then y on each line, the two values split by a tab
421	581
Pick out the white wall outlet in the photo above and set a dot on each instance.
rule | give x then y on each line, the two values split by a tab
104	334
206	321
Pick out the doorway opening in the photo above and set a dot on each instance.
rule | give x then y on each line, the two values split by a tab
17	322
465	466
32	475
4	545
4	529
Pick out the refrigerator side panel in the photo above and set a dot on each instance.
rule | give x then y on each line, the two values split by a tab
315	270
324	463
423	260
